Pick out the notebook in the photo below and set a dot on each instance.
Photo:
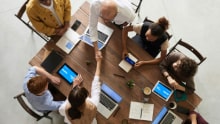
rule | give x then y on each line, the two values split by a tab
68	41
67	73
104	34
127	63
141	111
109	101
163	91
52	61
166	116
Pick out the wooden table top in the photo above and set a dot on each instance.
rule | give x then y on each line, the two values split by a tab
146	75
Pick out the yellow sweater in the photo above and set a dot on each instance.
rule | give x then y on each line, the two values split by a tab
43	19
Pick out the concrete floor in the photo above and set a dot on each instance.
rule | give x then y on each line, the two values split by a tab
196	21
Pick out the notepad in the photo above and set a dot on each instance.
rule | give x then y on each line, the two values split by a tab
141	111
127	63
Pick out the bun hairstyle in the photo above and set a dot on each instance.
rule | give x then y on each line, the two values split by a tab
77	97
158	28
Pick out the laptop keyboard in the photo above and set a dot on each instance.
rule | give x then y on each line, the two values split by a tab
168	119
101	36
106	102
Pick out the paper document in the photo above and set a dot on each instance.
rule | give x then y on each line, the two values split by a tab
127	63
68	41
141	111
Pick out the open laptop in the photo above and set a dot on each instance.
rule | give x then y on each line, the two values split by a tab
52	61
166	116
104	34
109	101
68	41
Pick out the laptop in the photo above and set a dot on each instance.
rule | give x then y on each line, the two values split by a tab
104	34
109	101
166	116
52	61
67	73
68	41
163	91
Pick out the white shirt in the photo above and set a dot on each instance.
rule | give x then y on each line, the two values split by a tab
95	96
125	14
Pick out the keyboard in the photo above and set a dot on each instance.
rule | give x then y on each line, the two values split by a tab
107	102
169	118
101	36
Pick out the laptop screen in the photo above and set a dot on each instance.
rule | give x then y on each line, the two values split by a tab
67	73
160	115
111	93
162	90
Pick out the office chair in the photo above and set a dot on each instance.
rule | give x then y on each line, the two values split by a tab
21	101
181	45
27	22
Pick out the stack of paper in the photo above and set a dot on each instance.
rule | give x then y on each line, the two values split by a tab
141	111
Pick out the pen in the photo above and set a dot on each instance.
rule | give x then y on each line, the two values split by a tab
141	113
116	111
119	75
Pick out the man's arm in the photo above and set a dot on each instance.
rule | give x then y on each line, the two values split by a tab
43	72
125	31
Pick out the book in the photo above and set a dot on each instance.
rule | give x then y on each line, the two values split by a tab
127	63
141	111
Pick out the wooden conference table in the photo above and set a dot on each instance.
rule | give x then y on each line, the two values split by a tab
146	75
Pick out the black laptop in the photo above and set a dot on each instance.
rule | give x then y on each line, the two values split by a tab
52	61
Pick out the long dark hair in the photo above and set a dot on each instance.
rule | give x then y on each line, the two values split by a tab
158	28
77	97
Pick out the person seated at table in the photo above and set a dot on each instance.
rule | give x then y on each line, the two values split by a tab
179	71
118	11
50	17
195	118
35	87
79	108
152	38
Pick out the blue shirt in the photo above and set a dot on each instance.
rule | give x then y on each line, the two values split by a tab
41	103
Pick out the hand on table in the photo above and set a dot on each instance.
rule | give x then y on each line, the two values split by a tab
55	80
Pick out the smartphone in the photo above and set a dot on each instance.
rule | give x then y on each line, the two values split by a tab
182	110
127	59
76	25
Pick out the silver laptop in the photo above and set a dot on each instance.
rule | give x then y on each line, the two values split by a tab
109	101
166	116
104	34
68	41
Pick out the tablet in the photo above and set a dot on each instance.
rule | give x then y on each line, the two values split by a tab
163	91
67	73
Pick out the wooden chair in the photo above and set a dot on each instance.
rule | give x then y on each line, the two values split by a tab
20	16
21	101
136	5
181	45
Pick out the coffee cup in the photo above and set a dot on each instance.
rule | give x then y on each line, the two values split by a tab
172	105
147	91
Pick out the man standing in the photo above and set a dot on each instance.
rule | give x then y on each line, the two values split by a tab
117	11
